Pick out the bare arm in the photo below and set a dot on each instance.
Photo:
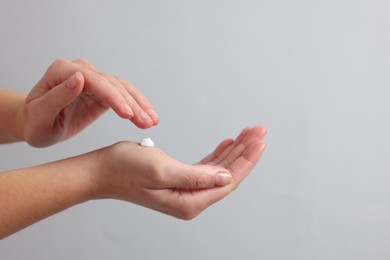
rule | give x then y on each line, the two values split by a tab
11	118
142	175
31	194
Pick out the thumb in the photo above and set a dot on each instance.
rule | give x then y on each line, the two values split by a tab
200	176
65	93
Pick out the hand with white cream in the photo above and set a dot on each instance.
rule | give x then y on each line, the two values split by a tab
150	178
128	171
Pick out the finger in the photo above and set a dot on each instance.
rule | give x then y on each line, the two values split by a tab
259	131
62	95
248	135
94	84
198	177
112	92
108	90
220	148
229	149
141	100
140	118
101	87
232	156
223	149
84	63
242	165
254	134
143	113
47	107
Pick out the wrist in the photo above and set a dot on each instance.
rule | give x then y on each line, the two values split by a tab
96	171
12	116
19	118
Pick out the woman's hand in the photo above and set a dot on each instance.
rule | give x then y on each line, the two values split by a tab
71	95
127	171
148	177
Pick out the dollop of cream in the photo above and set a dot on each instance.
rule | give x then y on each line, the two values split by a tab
147	142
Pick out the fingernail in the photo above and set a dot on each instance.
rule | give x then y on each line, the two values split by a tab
144	116
72	81
128	110
223	179
152	114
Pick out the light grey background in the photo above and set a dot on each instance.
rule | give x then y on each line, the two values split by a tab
316	73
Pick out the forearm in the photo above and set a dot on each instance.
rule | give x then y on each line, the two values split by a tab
11	116
31	194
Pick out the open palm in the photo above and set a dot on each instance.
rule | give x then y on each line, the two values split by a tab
239	156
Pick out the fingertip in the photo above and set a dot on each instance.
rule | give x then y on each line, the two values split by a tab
156	121
145	118
142	120
255	151
153	115
256	132
263	146
262	130
76	80
128	112
223	179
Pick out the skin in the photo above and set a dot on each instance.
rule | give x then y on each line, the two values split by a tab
69	97
126	171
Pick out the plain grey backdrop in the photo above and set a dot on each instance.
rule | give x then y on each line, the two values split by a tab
316	73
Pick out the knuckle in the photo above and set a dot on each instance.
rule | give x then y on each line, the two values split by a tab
197	179
124	82
82	61
143	101
201	181
61	61
96	78
58	64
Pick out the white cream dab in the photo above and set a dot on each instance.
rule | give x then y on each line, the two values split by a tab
147	142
